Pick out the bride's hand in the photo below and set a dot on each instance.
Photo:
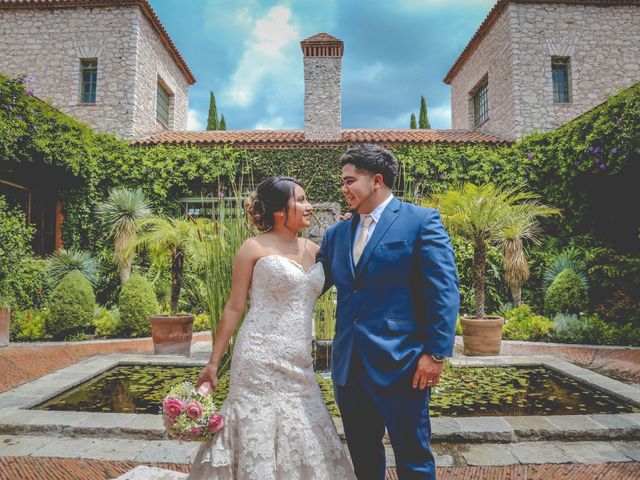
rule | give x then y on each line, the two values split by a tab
208	374
346	216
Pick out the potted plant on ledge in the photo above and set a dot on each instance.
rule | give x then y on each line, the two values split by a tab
484	215
174	238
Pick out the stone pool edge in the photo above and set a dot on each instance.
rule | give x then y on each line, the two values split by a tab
16	418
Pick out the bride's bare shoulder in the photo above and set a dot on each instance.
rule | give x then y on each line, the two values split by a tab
309	246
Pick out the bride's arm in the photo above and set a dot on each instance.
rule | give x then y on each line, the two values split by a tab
233	309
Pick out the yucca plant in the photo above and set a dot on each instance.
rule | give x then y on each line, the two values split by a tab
62	261
522	226
485	214
121	213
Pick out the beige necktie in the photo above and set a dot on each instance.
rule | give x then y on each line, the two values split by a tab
362	239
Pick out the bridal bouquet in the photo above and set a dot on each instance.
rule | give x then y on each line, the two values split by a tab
189	414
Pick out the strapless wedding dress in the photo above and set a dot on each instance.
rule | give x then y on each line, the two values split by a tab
277	425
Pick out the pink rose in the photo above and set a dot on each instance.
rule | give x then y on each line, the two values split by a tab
216	423
170	422
172	406
194	410
194	432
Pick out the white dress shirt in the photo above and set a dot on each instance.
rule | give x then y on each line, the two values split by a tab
376	214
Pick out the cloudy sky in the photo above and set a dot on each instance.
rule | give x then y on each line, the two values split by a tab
248	53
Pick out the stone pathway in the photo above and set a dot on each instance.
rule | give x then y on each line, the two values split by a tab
28	468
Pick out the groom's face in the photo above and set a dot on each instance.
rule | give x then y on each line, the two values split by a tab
358	188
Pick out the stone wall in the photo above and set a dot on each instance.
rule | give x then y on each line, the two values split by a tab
322	97
153	63
49	44
604	49
492	60
603	44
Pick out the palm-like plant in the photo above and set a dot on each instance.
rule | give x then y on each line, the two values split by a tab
173	237
121	212
62	261
521	226
485	214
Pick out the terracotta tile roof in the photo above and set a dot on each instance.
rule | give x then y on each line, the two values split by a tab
295	138
500	7
142	4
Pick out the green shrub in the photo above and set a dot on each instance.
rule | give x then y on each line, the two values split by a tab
584	329
28	284
137	302
28	325
106	322
202	323
15	237
522	324
71	306
566	294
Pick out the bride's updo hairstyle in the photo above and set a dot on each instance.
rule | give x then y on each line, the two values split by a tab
272	195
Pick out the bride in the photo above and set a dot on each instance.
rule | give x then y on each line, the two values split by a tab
276	423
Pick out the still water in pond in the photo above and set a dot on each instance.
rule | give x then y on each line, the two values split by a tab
463	392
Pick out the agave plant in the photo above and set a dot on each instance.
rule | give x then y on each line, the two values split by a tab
62	261
564	261
121	212
485	214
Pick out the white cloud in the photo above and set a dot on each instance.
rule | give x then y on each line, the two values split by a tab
426	4
194	122
440	117
268	54
273	123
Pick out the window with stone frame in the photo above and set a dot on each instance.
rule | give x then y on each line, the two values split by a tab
163	104
561	77
88	80
480	100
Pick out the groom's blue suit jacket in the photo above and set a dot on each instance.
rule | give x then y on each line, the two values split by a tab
402	298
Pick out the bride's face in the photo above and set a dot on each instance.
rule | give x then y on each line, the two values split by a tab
298	210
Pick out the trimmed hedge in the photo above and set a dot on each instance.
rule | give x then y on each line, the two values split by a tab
137	302
566	294
71	306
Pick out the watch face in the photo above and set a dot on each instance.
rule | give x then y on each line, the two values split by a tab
438	357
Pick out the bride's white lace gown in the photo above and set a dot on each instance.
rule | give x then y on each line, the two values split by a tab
277	425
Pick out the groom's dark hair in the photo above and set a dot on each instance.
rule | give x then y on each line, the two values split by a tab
373	159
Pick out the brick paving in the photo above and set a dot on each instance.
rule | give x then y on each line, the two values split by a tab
23	362
36	468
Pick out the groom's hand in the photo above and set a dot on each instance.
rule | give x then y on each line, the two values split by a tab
427	373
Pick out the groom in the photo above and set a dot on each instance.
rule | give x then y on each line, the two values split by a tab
398	299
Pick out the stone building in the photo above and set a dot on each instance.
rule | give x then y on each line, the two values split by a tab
109	63
534	65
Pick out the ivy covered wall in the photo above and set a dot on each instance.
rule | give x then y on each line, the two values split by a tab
589	167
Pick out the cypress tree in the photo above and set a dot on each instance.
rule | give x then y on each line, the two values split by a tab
412	122
212	120
424	120
223	124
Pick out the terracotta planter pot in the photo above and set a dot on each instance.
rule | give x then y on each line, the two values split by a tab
5	322
171	334
482	336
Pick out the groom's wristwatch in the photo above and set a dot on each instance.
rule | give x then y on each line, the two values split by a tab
438	358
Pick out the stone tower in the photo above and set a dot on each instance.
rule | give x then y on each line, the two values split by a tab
322	87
